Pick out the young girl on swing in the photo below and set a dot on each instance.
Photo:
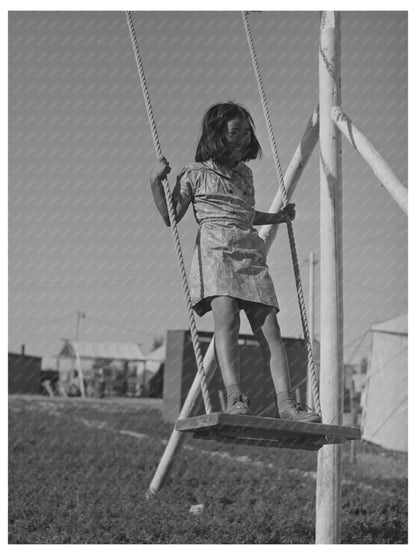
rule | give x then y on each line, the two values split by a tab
229	271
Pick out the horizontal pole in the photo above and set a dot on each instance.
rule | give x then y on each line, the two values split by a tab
374	159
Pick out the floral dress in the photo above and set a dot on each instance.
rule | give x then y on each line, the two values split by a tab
229	256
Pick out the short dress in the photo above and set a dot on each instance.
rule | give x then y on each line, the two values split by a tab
229	257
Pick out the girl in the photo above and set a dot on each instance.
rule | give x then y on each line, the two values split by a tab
229	271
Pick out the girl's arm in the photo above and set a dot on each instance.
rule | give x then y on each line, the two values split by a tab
266	218
159	173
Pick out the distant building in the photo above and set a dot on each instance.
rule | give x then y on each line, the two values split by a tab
24	373
349	385
385	402
102	369
156	365
256	380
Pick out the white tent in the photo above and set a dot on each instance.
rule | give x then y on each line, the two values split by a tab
94	350
82	355
385	418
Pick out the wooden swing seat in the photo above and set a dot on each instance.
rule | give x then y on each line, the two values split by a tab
265	432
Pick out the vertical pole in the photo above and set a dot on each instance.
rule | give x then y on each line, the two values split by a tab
79	315
77	325
328	492
312	262
61	386
221	398
354	420
80	372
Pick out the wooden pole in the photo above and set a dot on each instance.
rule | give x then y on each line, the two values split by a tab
80	372
328	493
176	438
354	420
374	159
312	262
61	387
221	398
293	173
292	176
79	315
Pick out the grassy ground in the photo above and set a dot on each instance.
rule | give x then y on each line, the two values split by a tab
79	471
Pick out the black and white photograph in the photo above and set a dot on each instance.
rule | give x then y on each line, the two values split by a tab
207	243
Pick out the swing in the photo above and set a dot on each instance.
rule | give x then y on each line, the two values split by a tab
222	427
265	432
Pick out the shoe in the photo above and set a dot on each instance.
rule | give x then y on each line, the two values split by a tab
298	412
238	404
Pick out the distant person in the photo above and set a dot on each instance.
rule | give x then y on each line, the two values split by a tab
120	384
46	387
229	271
100	384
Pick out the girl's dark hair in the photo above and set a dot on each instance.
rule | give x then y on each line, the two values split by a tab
212	143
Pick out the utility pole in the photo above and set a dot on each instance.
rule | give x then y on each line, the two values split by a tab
79	315
312	263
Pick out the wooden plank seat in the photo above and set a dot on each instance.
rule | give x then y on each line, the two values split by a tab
265	432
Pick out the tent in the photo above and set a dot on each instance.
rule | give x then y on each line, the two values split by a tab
95	350
83	357
384	419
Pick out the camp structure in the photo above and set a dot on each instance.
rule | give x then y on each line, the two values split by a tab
24	373
385	405
83	364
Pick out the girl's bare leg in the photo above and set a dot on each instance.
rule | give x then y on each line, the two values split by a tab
227	326
263	322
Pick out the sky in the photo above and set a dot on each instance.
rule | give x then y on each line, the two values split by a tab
84	234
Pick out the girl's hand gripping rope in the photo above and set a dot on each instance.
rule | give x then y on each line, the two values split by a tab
159	173
160	169
288	211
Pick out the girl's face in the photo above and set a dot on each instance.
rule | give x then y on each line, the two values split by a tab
238	136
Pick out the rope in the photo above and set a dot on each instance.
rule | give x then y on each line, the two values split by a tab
296	270
172	217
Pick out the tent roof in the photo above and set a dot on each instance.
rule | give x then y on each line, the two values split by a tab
395	325
119	351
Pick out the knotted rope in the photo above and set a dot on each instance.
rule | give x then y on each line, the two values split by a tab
172	217
296	270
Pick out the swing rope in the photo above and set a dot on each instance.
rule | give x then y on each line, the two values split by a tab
172	217
296	270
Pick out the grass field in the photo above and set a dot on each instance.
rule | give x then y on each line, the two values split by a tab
79	471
